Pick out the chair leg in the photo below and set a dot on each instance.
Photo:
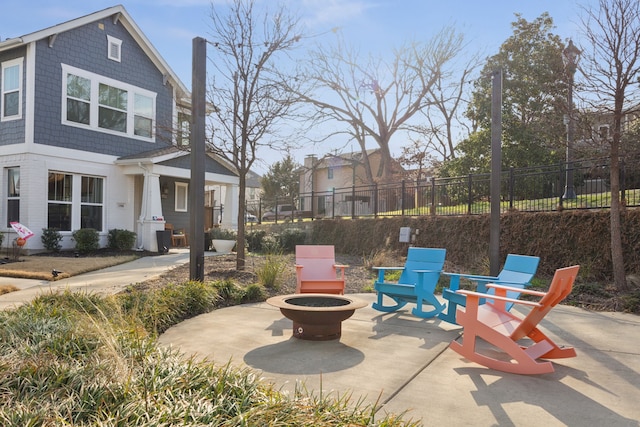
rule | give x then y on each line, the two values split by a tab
431	300
556	351
522	362
380	306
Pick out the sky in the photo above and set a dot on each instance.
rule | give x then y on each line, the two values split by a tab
373	26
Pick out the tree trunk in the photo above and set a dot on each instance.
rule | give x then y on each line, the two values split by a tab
617	259
241	223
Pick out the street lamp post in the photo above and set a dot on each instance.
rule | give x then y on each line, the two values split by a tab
570	57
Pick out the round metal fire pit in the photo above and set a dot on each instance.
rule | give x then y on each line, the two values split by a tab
316	317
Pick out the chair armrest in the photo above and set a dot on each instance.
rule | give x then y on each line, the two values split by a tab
381	271
471	276
514	289
340	265
500	298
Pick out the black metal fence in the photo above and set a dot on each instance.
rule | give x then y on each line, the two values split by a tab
533	189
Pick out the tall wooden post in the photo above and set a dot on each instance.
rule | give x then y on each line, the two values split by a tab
196	190
496	169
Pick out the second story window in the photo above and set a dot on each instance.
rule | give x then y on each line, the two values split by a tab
330	173
107	105
112	110
11	88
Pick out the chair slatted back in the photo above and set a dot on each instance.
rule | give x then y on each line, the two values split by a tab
318	261
559	289
422	259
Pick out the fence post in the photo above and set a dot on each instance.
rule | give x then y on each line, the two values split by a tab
561	187
333	202
469	195
353	202
433	196
313	209
404	189
375	200
512	184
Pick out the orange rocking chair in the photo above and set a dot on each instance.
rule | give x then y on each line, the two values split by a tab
317	271
492	323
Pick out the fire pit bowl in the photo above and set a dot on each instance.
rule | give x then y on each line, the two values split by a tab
316	317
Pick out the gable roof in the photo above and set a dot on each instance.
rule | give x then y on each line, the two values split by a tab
119	14
178	158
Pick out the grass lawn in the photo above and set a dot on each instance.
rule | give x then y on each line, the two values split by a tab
40	267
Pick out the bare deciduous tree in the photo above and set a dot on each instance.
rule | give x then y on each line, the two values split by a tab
375	98
442	115
611	68
247	91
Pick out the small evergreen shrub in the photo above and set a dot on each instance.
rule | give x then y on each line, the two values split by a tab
51	239
121	240
291	237
1	238
253	293
271	244
254	240
87	240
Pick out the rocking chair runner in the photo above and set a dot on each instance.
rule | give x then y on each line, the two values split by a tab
417	283
517	272
492	323
317	271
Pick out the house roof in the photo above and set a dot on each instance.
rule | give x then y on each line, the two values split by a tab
176	157
119	14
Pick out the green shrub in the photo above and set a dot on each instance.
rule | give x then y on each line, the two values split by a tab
1	238
253	293
51	239
87	240
270	271
254	240
121	240
271	244
218	233
291	237
228	290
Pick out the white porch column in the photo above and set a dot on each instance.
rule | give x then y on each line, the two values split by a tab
151	219
230	212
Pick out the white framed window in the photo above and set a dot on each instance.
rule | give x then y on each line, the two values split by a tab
13	195
114	49
11	90
75	201
330	173
107	105
182	196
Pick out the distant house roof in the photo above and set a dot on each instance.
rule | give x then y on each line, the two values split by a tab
119	15
254	180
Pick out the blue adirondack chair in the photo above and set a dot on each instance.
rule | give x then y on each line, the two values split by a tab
416	285
517	272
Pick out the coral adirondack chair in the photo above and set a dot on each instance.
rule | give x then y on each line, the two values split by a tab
317	271
504	330
517	272
416	284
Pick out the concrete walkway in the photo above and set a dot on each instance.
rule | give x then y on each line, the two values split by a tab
403	362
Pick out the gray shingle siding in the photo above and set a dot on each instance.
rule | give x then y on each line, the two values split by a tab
86	48
12	131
